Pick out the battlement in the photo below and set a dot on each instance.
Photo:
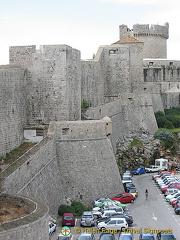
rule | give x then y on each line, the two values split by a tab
146	29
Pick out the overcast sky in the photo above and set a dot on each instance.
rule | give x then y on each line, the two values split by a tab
82	24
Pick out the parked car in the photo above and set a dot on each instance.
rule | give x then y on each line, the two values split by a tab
68	219
126	179
139	170
128	185
62	237
129	219
170	191
126	236
152	169
106	236
52	227
99	201
86	236
124	198
175	201
113	223
165	236
177	204
87	219
177	210
133	191
146	236
107	213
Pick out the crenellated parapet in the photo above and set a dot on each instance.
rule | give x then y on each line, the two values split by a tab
146	29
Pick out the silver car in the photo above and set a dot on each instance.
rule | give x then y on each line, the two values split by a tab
87	219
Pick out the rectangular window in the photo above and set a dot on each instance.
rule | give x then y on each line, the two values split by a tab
65	131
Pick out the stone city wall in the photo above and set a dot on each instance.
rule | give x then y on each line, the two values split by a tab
86	160
54	81
129	113
13	107
92	84
84	156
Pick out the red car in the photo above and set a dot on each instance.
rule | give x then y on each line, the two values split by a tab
163	189
175	201
124	198
68	219
177	204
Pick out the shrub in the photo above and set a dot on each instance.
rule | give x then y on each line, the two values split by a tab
78	207
159	114
136	142
65	209
168	125
84	104
161	120
166	138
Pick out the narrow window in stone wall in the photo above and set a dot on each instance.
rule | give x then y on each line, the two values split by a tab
65	131
39	132
112	51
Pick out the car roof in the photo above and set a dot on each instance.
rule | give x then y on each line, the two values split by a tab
147	234
86	234
116	218
68	214
87	213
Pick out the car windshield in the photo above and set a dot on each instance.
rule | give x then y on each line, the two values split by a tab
126	178
68	218
107	237
167	237
63	238
123	237
148	238
132	190
85	238
119	196
87	216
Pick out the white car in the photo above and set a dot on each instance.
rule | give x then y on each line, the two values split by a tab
100	200
113	223
153	169
52	227
126	179
168	197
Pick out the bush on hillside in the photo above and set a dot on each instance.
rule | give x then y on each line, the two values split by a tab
169	119
166	138
77	208
65	209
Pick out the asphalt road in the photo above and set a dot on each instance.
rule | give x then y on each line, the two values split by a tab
154	213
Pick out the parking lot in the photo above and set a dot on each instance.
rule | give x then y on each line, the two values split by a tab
154	213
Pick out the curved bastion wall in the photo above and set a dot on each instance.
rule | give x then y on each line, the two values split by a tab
75	161
34	225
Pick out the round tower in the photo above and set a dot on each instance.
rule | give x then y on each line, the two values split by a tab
154	38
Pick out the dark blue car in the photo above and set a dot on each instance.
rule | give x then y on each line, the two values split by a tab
165	236
139	171
146	236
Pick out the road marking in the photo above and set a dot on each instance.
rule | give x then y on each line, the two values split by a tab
155	218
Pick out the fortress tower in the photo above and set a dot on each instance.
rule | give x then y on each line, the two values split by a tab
154	38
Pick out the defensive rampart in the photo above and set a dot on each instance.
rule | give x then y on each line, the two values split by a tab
129	113
13	106
68	164
32	226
